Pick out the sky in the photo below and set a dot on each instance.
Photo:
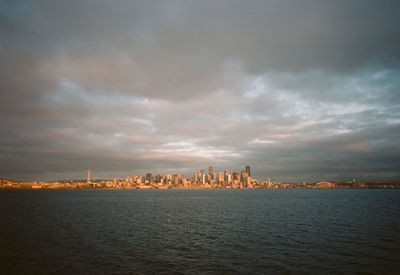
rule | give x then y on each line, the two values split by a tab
299	90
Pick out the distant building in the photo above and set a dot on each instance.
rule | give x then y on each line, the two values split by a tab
220	177
245	178
236	176
325	184
248	170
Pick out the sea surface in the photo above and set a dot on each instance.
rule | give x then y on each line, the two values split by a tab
354	231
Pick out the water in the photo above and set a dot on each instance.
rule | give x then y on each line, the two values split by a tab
199	231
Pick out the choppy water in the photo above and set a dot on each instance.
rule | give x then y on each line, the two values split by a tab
199	231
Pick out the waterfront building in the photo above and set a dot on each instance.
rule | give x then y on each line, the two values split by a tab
325	184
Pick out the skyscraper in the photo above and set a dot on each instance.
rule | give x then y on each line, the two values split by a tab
88	176
248	170
220	177
210	170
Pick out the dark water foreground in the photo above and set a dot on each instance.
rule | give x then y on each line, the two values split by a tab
199	231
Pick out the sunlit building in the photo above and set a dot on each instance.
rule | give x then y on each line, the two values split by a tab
220	177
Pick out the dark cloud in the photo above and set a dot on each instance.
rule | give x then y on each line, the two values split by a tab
296	89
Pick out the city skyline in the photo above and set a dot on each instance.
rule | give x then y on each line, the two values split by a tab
199	180
297	90
200	176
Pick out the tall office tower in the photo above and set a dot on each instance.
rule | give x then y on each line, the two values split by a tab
88	176
159	177
220	177
210	170
248	170
226	173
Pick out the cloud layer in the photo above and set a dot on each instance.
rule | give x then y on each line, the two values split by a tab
299	90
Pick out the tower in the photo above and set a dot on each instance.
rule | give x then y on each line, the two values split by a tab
88	176
248	170
226	173
220	177
210	170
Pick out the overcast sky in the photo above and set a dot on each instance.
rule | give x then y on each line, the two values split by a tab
298	90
